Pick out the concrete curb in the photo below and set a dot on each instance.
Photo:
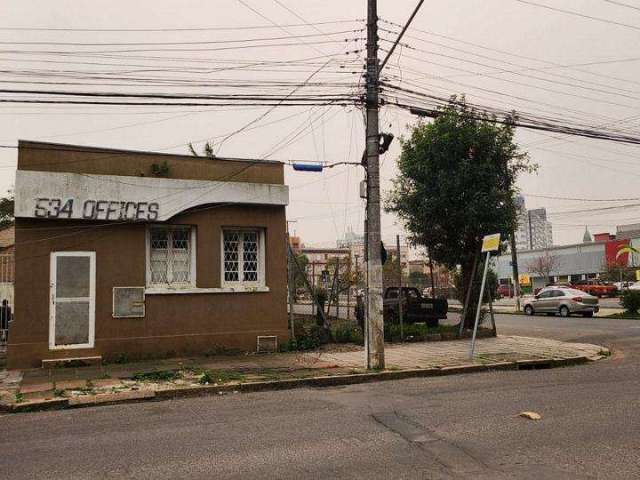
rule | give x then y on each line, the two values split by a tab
314	382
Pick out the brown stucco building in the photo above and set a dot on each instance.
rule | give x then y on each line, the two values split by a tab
123	254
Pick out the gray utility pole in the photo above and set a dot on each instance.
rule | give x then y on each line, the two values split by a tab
292	287
374	326
375	330
400	292
516	275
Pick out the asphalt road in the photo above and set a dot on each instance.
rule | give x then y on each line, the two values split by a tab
463	426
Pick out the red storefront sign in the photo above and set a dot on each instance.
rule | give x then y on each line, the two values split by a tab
611	250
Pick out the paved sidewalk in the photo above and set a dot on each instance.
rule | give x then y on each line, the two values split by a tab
456	352
62	387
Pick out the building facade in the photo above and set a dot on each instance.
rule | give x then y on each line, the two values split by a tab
534	230
115	260
323	262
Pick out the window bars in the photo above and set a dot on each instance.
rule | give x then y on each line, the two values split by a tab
170	255
241	250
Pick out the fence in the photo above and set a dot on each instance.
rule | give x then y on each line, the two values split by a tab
7	277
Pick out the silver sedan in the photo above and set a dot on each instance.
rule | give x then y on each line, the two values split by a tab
564	301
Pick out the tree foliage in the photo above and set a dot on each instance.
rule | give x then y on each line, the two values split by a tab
457	183
6	209
543	265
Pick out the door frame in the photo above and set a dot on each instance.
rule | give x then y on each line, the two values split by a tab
53	300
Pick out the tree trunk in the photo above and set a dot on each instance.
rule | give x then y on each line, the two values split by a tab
468	276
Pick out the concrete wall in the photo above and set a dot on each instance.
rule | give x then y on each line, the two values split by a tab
174	324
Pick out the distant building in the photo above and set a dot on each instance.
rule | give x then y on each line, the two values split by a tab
624	232
355	243
322	263
603	237
586	238
534	230
7	239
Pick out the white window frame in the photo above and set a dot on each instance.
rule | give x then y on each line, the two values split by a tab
261	282
53	299
192	257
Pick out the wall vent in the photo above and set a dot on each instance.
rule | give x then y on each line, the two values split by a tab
128	302
267	344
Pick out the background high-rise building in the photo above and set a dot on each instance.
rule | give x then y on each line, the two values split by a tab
534	230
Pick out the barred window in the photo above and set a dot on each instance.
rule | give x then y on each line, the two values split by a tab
243	261
170	256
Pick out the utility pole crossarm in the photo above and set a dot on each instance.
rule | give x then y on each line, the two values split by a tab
404	29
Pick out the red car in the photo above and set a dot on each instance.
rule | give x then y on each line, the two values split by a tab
505	290
597	288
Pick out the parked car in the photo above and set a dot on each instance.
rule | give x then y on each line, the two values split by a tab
563	301
597	288
552	285
505	290
634	286
622	285
415	307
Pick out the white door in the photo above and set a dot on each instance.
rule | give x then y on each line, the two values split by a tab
73	300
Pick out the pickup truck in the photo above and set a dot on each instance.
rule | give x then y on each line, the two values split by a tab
415	307
597	288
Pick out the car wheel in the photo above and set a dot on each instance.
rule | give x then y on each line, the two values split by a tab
587	314
528	310
564	311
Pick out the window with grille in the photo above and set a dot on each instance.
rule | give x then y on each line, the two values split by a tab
243	258
170	256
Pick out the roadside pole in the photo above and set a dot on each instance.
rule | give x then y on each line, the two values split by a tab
400	293
313	288
349	289
516	275
490	243
433	283
375	354
292	277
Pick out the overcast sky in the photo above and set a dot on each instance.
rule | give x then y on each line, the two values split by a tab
466	46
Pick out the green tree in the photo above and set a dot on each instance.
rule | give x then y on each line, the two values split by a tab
6	209
300	275
456	184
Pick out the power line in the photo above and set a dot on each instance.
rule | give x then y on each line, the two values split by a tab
187	29
620	4
574	199
578	14
526	57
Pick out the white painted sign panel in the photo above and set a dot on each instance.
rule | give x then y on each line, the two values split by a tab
119	198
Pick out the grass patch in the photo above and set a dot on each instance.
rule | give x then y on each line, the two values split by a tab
157	376
416	332
346	333
220	377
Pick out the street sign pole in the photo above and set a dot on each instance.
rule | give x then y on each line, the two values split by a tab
490	243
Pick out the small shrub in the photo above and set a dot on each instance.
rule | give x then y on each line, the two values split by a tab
160	169
219	377
156	376
19	397
121	358
348	334
630	301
